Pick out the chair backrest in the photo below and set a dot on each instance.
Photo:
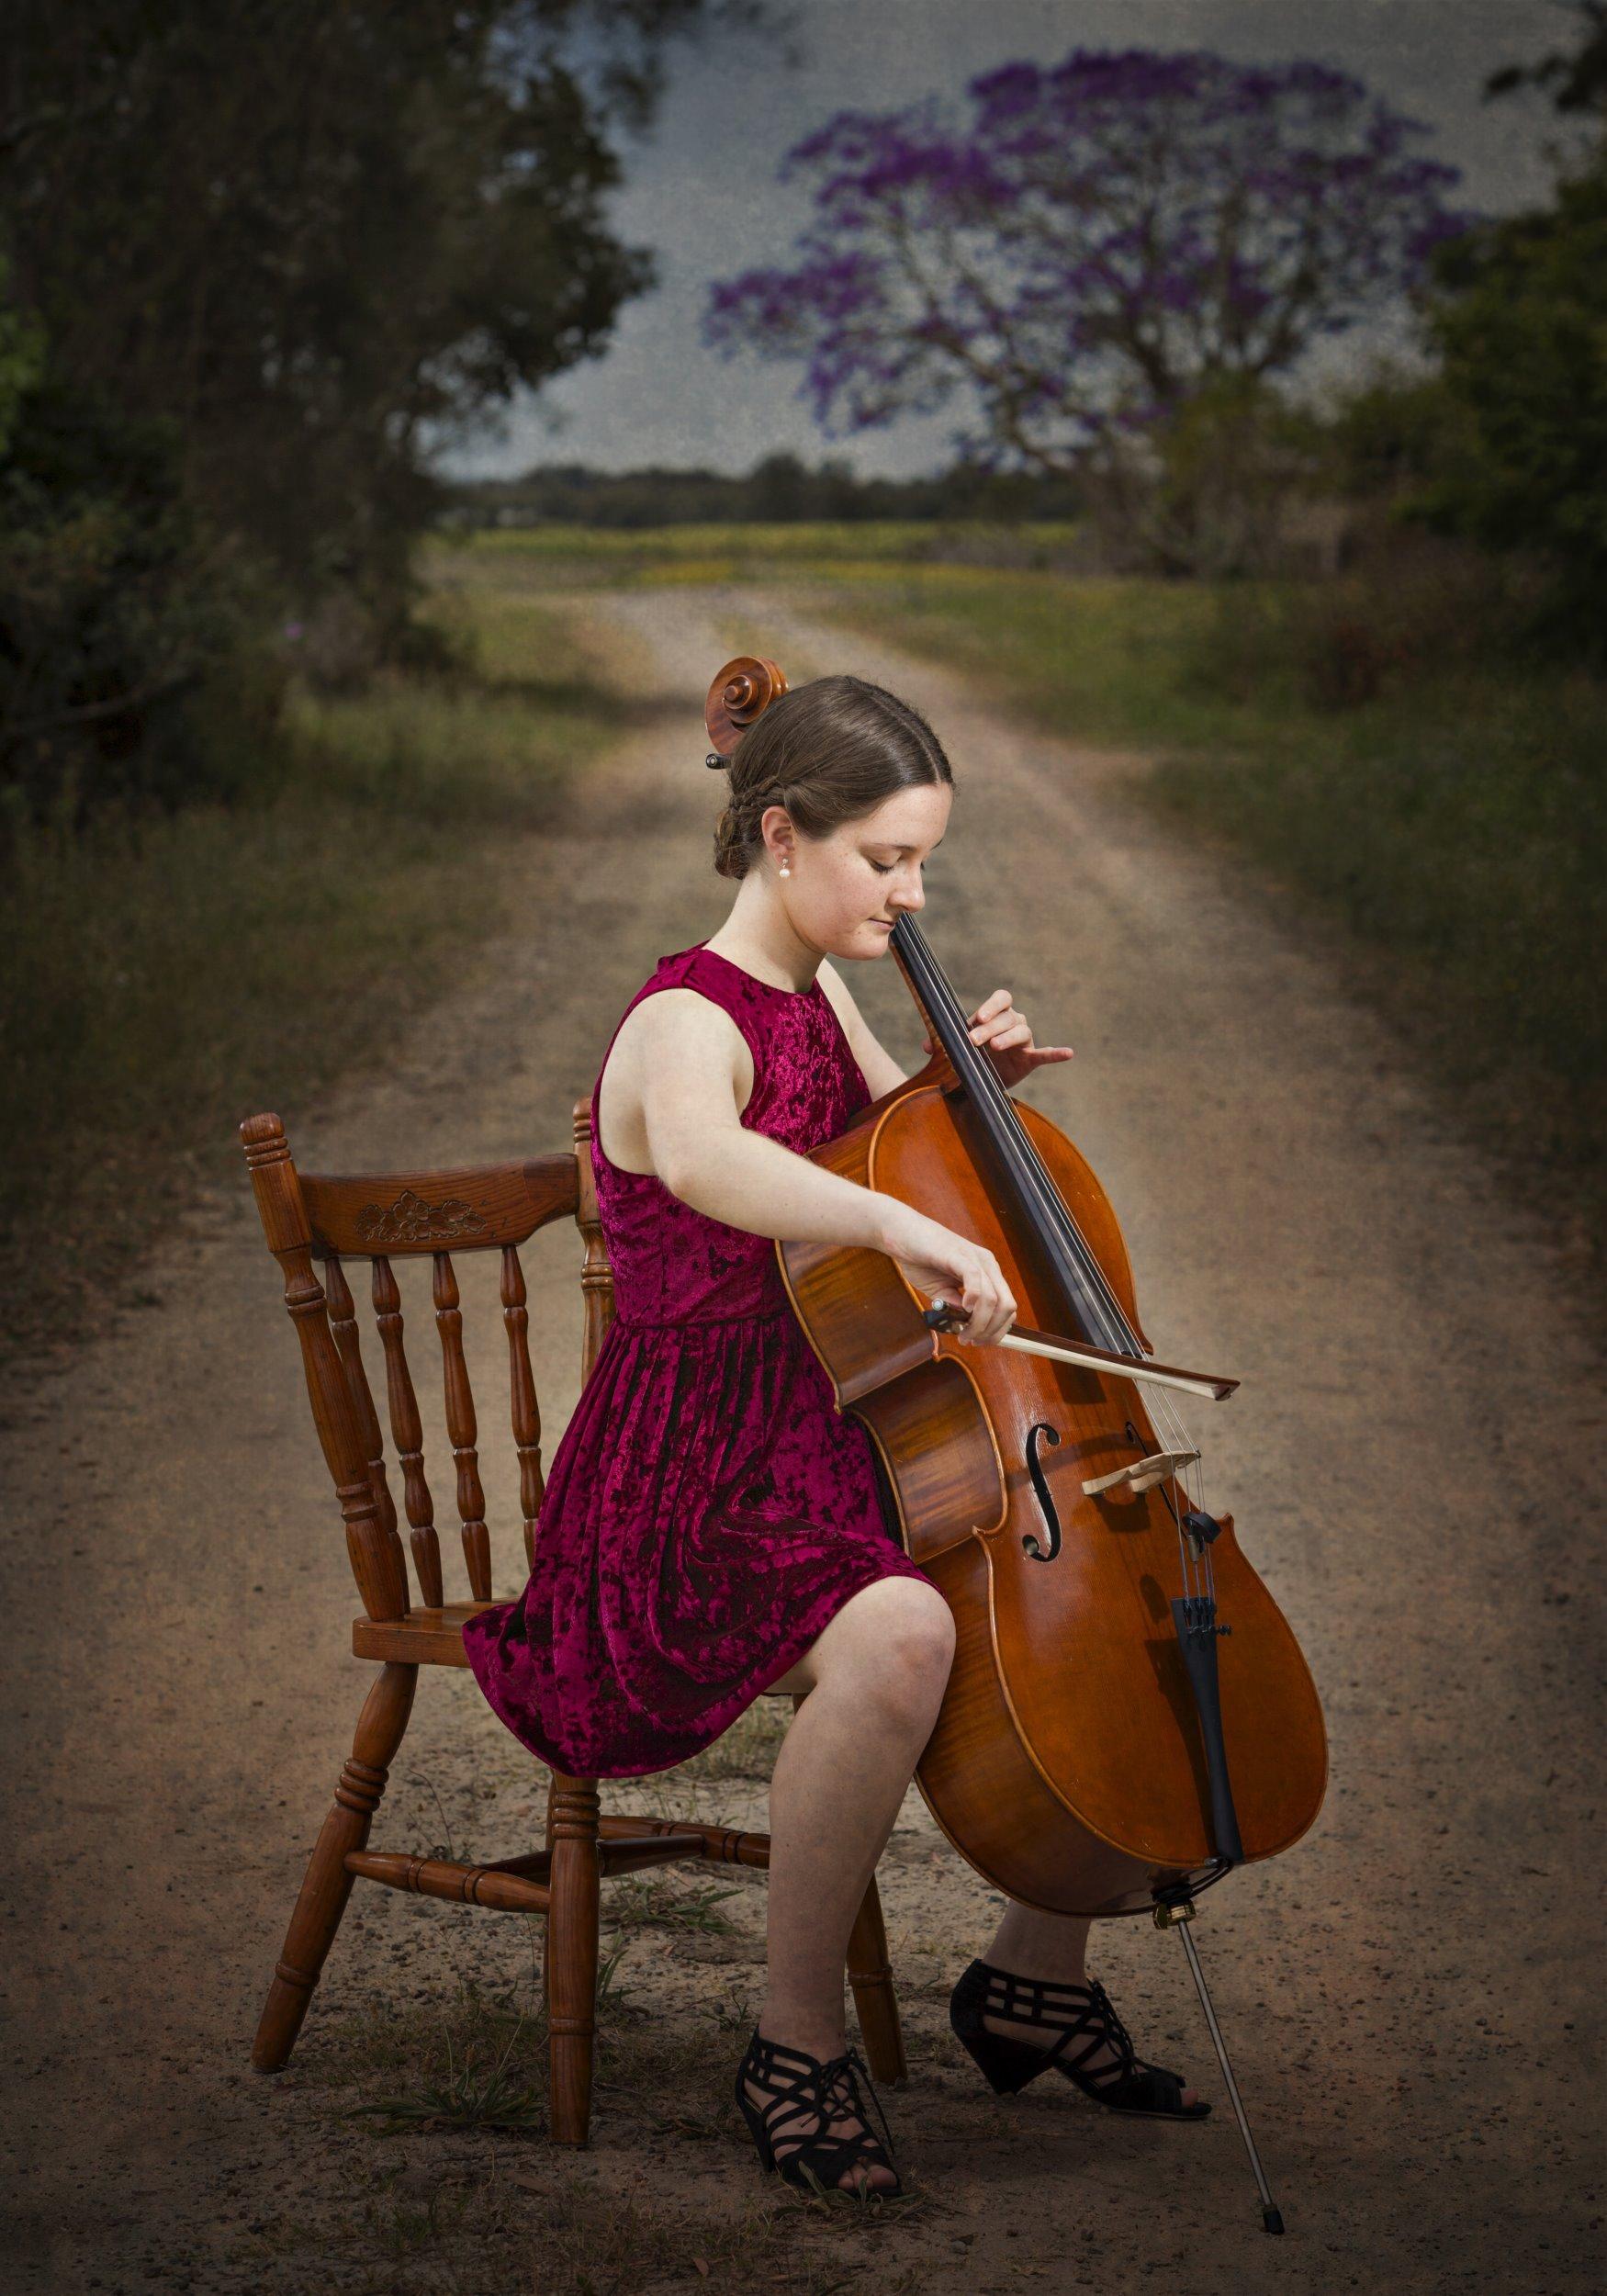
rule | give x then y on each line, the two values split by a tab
381	1217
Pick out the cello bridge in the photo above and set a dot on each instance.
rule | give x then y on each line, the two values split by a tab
1141	1474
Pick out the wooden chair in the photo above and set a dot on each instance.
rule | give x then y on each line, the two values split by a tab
381	1217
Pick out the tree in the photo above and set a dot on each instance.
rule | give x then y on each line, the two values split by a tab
1502	440
1575	78
1521	327
1098	248
318	234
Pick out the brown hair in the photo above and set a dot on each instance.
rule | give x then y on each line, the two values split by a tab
829	751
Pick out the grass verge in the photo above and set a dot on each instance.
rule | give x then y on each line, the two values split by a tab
160	977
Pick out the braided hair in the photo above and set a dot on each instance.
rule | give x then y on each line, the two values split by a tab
829	752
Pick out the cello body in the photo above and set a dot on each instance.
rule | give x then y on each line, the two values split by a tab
1068	1762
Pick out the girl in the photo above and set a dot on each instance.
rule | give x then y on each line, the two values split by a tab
712	1529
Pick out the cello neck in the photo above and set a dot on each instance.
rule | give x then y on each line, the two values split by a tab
1015	1164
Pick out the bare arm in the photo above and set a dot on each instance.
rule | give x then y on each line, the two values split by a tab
704	1153
692	1062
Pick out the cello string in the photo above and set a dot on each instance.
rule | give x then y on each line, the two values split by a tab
1163	1414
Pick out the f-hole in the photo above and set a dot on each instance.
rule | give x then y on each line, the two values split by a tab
1031	1547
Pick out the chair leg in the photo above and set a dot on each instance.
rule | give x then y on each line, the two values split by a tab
327	1884
572	1955
870	1974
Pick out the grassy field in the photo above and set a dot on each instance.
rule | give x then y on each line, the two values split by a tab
158	981
596	557
1437	805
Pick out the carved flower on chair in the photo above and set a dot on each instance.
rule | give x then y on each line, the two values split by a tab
411	1220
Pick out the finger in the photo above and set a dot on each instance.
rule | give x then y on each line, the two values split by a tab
997	1293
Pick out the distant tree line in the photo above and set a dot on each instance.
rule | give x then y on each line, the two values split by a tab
778	489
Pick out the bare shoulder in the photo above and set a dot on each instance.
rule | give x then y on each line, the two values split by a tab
673	1020
679	1072
676	1055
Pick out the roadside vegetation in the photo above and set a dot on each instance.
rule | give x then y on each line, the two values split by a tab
163	972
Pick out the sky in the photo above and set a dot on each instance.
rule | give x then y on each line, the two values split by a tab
699	189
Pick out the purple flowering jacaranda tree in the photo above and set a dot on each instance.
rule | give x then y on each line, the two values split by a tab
1100	245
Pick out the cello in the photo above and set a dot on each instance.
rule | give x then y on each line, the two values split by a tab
1129	1716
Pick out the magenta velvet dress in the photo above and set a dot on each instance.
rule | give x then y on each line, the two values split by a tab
707	1511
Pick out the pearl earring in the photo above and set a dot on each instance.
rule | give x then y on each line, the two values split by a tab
785	871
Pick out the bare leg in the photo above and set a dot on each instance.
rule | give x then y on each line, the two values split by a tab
1052	1948
875	1679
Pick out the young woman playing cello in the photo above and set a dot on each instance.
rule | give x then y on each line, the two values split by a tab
711	1527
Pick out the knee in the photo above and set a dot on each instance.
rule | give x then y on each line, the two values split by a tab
909	1649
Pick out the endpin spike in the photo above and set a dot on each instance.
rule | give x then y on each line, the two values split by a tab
1178	1915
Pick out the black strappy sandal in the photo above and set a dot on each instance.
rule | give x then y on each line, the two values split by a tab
1083	2013
828	2087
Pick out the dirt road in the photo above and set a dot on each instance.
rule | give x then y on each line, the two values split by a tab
1412	1461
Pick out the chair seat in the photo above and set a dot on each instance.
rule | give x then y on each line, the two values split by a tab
421	1638
432	1637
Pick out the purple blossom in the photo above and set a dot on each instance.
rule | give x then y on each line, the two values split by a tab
1098	241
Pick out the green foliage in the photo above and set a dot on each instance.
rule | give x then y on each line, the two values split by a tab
22	356
1576	78
130	670
162	973
1228	461
1410	608
316	235
1520	325
1383	441
564	557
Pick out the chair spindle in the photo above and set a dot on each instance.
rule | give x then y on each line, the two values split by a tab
408	1434
463	1429
348	1340
521	1384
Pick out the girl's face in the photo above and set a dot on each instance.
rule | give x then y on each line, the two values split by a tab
844	892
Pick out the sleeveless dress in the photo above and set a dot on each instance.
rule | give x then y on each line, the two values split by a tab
708	1510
